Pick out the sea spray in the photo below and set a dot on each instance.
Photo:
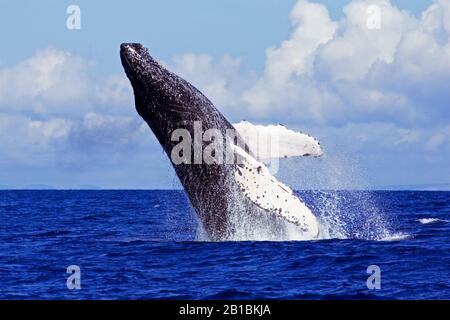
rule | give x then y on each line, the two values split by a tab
339	197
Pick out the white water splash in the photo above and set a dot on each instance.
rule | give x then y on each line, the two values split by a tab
431	220
342	214
396	237
201	234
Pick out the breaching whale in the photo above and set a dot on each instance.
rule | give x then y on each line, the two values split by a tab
228	197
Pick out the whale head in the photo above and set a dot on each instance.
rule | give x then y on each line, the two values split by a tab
164	100
156	90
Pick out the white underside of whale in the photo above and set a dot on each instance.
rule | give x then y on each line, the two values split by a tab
263	189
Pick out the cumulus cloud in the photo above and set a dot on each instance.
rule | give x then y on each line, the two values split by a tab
27	141
332	72
44	81
97	133
69	142
112	94
392	73
55	82
439	140
220	81
98	138
53	110
292	63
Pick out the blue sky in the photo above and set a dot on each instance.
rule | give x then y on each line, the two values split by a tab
376	99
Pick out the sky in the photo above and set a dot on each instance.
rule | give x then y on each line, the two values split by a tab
373	91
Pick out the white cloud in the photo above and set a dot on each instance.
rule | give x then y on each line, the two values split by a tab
53	110
114	92
50	77
99	133
293	63
50	129
221	82
439	140
30	142
312	27
69	142
332	72
54	82
97	139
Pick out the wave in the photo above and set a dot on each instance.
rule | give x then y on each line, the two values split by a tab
396	237
431	220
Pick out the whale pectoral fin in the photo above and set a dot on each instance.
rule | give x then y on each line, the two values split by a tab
262	188
277	141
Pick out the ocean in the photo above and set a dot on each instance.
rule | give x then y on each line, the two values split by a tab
146	245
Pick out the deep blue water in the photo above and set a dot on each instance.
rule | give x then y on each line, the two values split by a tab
141	245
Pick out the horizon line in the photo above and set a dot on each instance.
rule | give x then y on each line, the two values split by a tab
167	189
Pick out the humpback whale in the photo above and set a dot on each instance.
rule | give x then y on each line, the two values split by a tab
227	196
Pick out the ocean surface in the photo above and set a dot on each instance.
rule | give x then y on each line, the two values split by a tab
146	245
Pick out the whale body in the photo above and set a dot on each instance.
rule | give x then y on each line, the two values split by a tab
229	198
